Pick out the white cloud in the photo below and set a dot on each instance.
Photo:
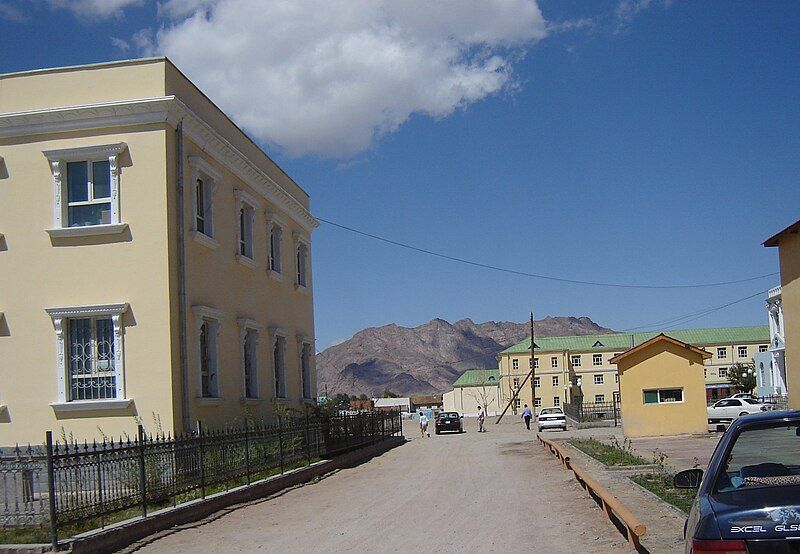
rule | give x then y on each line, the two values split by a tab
99	9
627	10
330	77
120	44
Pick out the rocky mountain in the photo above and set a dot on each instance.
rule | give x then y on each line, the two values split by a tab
429	358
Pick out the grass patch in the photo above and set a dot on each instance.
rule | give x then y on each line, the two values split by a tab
609	455
660	484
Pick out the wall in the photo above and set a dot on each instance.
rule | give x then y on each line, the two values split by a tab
465	400
789	251
662	365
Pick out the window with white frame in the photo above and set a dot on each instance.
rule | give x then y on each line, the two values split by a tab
536	363
89	352
274	258
536	382
302	264
279	364
554	362
599	379
204	182
662	396
597	359
248	345
515	383
616	377
762	347
305	367
245	214
207	327
723	372
517	402
537	402
555	380
599	398
515	364
556	401
722	352
576	361
705	372
86	190
742	351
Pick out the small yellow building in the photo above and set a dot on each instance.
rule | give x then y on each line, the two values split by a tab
662	389
155	263
788	244
475	387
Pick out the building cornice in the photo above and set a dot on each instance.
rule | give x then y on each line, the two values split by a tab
160	109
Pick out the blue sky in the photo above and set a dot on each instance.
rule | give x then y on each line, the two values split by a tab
637	142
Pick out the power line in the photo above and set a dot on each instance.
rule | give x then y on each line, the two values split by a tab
537	275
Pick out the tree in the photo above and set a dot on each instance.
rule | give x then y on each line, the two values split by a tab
389	394
363	397
483	395
743	376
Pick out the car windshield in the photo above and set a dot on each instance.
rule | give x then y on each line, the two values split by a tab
546	411
766	456
448	415
750	401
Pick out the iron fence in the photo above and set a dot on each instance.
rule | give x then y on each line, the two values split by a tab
65	483
597	411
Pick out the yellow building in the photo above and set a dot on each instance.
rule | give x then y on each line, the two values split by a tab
581	365
155	263
788	243
662	388
475	387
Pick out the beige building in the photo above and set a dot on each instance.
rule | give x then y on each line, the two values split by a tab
788	244
581	365
475	387
155	262
662	389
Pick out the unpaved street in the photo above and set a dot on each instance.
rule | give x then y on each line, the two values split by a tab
491	492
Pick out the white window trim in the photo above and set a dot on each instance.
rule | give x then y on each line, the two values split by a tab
302	342
660	403
58	315
273	222
58	160
298	240
203	314
274	333
244	197
246	325
602	380
203	170
573	361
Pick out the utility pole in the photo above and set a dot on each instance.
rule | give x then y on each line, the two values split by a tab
533	368
530	376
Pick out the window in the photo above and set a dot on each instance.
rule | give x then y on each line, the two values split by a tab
302	265
663	396
89	350
555	380
537	402
705	372
305	365
536	363
762	347
723	372
599	379
722	352
616	377
204	179
599	398
86	190
597	359
245	213
517	402
516	383
556	401
279	365
515	364
536	382
207	331
248	339
275	234
742	351
576	361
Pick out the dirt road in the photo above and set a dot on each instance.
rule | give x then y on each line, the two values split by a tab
490	492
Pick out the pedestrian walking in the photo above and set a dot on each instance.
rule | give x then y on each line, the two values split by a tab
423	424
481	418
527	415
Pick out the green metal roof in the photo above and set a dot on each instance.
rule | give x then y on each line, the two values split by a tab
622	341
478	377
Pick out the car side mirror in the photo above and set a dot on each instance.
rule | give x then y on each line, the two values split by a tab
688	479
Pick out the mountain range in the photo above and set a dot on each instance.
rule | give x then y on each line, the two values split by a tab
428	359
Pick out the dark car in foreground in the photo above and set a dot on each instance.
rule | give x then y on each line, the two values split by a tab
449	421
748	500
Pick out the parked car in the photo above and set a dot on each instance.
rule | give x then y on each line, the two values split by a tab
448	421
745	395
551	418
729	409
748	500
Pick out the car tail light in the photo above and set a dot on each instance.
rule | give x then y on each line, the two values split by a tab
718	547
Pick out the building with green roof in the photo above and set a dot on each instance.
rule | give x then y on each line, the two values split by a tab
475	387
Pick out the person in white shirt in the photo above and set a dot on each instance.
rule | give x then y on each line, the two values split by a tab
423	424
481	418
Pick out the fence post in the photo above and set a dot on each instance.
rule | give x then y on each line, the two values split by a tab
201	460
51	490
142	472
280	440
614	399
247	449
308	441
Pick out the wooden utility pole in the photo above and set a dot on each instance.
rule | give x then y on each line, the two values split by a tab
530	376
533	368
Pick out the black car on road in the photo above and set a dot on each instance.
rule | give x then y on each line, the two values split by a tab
748	500
449	421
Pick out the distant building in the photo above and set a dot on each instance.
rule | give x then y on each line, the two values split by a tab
357	404
475	387
428	402
771	365
788	244
386	404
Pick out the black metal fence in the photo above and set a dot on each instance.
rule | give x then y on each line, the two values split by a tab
63	484
597	411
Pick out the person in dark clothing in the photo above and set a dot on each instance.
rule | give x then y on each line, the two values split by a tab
527	415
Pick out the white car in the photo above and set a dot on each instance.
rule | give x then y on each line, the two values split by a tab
731	408
551	418
745	395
